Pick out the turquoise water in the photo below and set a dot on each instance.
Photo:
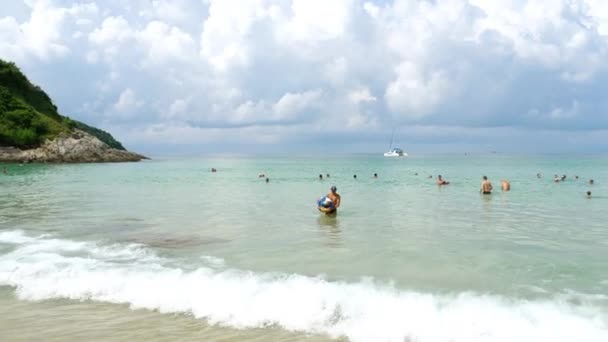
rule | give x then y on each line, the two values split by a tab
403	259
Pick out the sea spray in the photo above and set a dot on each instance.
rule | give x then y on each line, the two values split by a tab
45	268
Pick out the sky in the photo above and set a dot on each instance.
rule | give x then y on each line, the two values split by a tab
256	76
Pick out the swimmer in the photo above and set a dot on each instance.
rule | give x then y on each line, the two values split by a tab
375	175
563	178
505	185
556	179
588	194
591	182
327	175
441	181
575	177
539	176
267	179
486	186
261	175
354	176
320	177
213	169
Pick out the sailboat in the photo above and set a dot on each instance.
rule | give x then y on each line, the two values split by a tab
394	151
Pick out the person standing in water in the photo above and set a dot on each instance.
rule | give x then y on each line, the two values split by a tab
486	186
334	196
441	181
505	185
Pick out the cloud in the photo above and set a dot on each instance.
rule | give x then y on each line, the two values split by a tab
352	69
127	104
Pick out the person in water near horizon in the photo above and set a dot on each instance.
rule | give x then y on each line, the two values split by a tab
486	186
267	179
588	194
505	185
591	182
375	175
556	179
441	181
320	177
354	176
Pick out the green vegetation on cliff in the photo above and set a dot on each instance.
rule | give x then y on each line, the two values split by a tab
28	116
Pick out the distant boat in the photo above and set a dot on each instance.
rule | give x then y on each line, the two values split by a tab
394	151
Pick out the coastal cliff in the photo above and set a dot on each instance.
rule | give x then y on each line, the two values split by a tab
74	147
32	130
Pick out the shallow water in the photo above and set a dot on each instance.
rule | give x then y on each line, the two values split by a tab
166	249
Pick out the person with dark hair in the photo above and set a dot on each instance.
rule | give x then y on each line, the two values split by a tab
354	176
320	177
375	175
329	203
267	179
588	194
441	181
486	186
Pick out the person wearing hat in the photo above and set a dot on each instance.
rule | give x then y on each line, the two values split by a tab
334	197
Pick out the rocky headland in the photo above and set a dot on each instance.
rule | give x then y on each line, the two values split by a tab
32	130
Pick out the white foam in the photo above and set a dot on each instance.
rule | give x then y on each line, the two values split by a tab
43	268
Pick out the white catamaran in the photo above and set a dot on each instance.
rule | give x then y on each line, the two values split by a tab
394	151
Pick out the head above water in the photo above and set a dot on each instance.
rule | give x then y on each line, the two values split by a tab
439	176
485	177
588	193
334	189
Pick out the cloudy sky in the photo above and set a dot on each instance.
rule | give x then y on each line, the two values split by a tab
178	76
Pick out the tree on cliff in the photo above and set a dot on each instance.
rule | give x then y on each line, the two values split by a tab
28	116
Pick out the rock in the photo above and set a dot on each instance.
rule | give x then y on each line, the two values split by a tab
74	147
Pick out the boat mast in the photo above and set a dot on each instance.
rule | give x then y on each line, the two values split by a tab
392	136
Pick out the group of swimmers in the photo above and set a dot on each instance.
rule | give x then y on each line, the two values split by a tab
485	188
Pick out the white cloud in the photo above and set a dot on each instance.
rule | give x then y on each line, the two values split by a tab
354	65
127	104
314	20
290	105
414	94
361	95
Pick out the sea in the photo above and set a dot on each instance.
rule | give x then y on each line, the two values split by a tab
165	250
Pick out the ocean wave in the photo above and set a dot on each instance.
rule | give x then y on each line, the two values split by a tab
45	268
